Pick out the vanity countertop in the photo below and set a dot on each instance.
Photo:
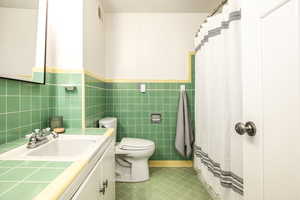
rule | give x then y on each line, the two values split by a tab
86	131
72	131
40	180
26	179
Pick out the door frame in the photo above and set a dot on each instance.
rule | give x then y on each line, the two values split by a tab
252	90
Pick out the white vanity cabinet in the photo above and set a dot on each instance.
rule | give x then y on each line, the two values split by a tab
108	173
100	183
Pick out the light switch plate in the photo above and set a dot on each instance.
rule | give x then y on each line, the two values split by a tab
143	88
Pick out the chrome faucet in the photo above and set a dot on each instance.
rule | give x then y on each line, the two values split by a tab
47	131
39	137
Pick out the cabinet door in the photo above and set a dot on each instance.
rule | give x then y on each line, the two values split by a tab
102	178
90	189
109	172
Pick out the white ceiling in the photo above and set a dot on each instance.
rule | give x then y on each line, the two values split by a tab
27	4
160	5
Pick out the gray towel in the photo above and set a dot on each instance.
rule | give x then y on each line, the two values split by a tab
184	135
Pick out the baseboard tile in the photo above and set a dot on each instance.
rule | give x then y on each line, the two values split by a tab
171	163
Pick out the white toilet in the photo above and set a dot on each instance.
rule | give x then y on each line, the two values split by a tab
132	155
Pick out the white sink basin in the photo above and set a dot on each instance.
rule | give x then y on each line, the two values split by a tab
63	148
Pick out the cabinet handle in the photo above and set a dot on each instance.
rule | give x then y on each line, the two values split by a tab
102	190
105	184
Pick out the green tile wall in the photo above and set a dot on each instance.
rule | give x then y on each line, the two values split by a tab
65	103
23	107
26	106
133	110
94	101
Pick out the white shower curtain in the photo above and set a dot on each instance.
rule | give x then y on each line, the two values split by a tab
218	149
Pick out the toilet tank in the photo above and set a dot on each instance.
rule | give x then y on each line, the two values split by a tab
109	122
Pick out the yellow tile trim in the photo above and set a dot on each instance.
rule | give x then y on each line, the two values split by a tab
110	132
190	67
62	182
170	163
144	81
38	69
28	77
192	53
137	80
59	70
89	73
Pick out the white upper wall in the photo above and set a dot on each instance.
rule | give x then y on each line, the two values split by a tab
25	4
124	46
75	36
94	38
152	46
160	6
65	34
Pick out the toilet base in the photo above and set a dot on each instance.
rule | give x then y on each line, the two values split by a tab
137	171
128	180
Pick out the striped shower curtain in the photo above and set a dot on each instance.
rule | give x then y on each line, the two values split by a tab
218	149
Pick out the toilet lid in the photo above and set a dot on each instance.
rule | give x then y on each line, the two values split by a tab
135	144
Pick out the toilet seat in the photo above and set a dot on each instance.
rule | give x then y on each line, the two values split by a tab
135	144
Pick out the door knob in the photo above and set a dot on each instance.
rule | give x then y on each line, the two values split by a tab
248	128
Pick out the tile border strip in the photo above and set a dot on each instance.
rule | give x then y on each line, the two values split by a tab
171	163
56	70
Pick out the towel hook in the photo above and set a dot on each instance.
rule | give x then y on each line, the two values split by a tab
182	87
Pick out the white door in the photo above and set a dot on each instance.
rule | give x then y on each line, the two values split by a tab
271	86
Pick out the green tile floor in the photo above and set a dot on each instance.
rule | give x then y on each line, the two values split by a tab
165	184
26	179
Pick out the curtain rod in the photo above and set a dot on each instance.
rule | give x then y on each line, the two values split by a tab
214	12
218	8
